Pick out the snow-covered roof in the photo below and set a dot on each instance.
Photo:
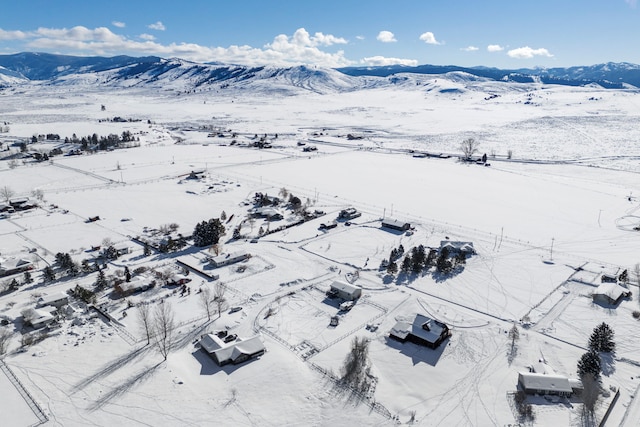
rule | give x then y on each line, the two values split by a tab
466	247
345	287
611	290
231	350
138	283
392	222
8	264
533	381
228	258
420	326
52	298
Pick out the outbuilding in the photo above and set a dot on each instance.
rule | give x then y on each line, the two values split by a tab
395	224
346	291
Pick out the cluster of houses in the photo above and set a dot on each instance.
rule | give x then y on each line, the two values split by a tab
610	283
46	311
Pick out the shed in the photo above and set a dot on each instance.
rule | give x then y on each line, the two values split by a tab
346	291
395	224
237	351
122	248
421	330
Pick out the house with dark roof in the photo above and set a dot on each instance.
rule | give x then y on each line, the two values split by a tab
395	224
421	330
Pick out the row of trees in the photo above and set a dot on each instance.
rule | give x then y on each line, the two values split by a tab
418	260
207	233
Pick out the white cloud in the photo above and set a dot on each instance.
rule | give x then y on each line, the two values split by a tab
469	49
158	26
360	37
528	53
118	24
12	35
631	3
429	38
299	48
386	37
381	60
495	48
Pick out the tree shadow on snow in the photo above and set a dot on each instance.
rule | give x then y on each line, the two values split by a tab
112	367
607	364
124	387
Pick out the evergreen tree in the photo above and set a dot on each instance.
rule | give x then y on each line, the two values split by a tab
417	259
27	278
392	268
589	363
13	285
101	281
601	339
147	249
443	264
208	233
48	274
406	264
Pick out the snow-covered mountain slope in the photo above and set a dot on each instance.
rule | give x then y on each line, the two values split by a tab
179	75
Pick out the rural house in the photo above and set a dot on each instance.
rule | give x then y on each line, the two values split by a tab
610	293
456	248
14	265
57	300
227	259
421	330
537	383
224	350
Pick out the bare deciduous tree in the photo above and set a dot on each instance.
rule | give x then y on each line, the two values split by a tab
207	302
6	193
219	298
144	315
469	147
514	335
5	338
163	322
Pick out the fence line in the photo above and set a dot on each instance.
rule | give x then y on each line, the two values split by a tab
37	410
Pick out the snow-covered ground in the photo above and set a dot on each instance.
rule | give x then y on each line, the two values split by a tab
567	195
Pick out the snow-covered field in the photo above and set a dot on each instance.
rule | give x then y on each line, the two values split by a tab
568	195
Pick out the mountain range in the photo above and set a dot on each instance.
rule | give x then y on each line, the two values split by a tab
179	74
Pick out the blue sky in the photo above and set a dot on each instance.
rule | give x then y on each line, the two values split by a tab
493	33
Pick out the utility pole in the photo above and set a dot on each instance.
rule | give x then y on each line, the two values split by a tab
551	253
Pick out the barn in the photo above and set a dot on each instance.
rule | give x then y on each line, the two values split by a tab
345	291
